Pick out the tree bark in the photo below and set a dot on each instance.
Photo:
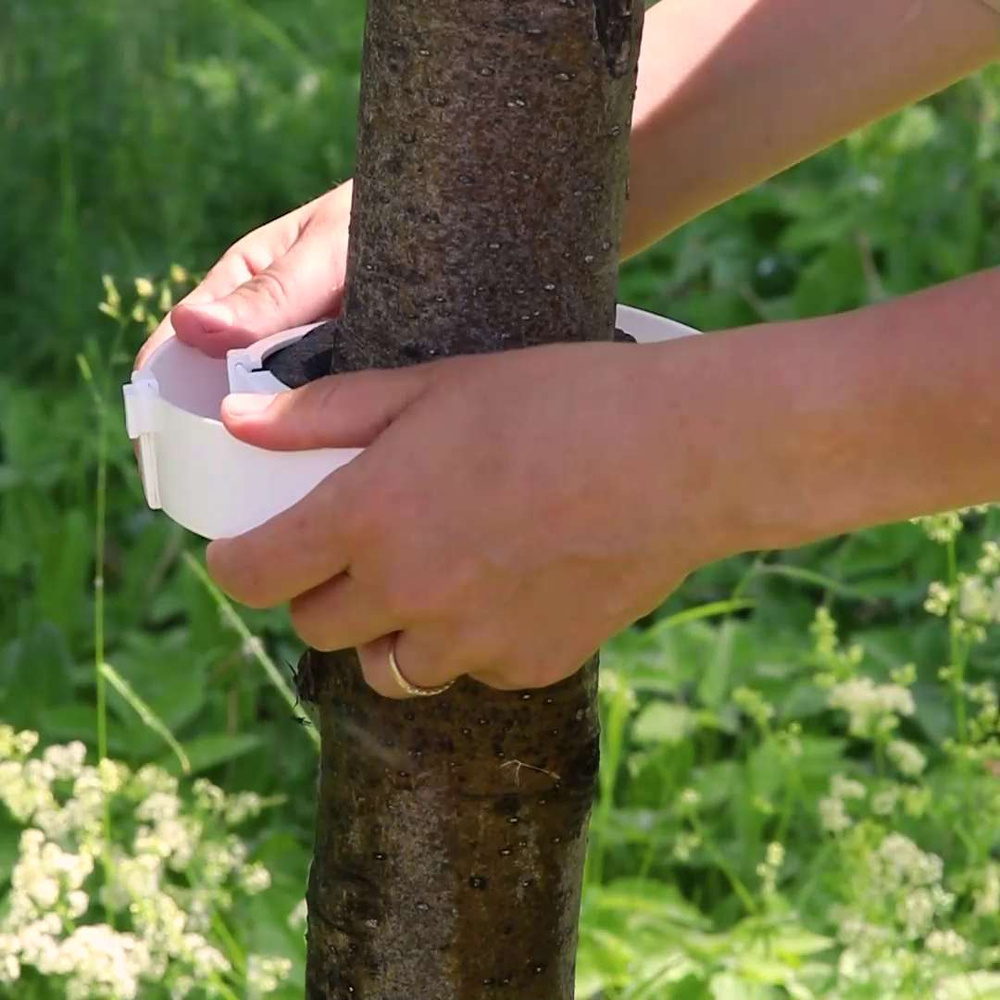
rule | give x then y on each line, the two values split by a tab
490	185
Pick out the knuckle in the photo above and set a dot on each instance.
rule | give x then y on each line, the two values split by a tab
324	393
270	286
402	600
355	516
410	595
439	593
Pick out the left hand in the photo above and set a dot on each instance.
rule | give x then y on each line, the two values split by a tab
509	514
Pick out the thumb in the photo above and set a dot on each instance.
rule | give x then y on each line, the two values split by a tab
303	285
339	411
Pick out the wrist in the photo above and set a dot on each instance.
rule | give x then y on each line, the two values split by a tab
810	429
761	433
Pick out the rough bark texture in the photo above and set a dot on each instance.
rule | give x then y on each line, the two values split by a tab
490	183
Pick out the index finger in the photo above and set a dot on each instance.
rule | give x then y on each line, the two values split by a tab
293	552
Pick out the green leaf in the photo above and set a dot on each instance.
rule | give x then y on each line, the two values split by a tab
797	941
206	752
65	556
691	987
716	609
166	673
35	674
149	718
716	681
67	722
664	722
725	986
636	896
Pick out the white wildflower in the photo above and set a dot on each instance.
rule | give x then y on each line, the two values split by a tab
984	694
884	801
685	845
871	708
161	921
113	775
242	806
265	973
10	964
939	599
255	879
948	943
158	808
902	863
104	962
689	799
209	797
833	815
16	745
989	559
150	779
44	893
979	600
768	870
841	662
66	761
206	961
846	788
77	903
174	840
132	878
26	788
63	802
181	987
941	528
906	758
916	911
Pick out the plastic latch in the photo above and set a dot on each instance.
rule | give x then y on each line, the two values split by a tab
142	396
243	367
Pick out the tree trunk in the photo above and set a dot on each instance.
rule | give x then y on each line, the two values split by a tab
490	184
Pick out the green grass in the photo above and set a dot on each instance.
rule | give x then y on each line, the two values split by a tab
139	135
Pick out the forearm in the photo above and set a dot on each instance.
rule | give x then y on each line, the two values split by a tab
827	425
732	91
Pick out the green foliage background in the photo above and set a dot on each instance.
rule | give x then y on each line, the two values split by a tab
139	135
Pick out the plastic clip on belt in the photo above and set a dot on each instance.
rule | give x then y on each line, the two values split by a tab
215	485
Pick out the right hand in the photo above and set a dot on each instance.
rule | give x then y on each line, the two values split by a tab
287	273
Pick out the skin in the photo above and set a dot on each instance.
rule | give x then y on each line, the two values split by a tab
762	439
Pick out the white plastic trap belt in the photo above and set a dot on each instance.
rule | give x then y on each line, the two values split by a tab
218	486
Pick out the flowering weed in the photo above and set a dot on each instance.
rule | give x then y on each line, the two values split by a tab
143	914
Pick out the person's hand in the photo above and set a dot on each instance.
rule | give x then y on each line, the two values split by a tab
510	513
287	273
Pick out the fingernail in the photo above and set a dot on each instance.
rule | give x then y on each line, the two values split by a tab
210	315
246	404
